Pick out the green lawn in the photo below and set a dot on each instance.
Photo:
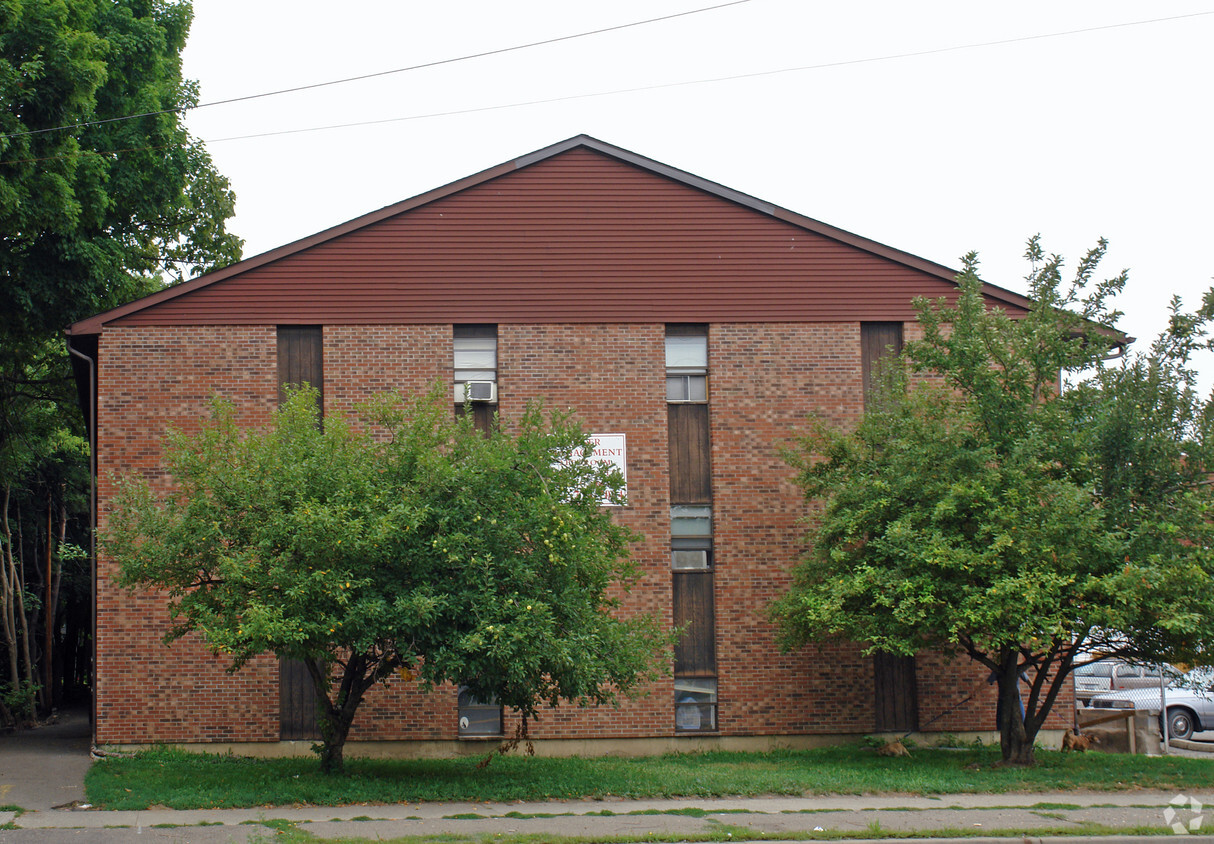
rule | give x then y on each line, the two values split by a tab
183	780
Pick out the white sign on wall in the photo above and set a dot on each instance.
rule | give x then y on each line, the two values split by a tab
612	449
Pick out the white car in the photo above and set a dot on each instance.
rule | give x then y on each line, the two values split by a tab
1190	700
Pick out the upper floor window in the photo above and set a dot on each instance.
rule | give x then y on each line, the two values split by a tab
475	358
686	363
690	520
690	537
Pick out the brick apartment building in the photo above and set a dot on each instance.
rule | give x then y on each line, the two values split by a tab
697	324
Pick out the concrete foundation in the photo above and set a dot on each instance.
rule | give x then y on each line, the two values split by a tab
1049	739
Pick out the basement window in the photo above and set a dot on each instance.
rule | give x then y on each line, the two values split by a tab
476	718
695	704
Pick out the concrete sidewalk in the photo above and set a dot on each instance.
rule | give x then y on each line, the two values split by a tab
945	816
45	767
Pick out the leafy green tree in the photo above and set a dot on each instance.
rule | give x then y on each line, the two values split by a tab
43	482
95	214
417	542
95	210
980	508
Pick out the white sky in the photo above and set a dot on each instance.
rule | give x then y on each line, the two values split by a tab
1097	133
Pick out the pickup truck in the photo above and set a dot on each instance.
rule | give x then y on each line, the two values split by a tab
1112	676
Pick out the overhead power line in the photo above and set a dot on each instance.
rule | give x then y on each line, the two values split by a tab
377	74
660	86
714	79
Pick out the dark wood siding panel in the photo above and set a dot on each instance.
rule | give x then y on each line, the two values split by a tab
695	654
580	237
300	361
897	699
483	414
301	358
296	702
690	470
877	339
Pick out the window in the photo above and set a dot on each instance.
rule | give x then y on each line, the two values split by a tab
691	549
475	359
695	702
690	520
686	388
686	364
689	559
477	718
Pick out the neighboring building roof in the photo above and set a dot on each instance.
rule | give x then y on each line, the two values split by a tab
581	231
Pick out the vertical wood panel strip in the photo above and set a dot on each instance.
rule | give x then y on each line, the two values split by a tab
695	652
690	468
300	360
877	339
896	697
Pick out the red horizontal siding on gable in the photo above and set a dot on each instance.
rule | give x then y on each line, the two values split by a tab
577	238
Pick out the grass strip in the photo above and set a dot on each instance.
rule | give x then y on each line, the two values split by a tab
181	780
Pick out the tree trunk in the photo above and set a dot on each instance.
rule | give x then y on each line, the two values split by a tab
1015	737
23	629
55	678
48	608
337	714
333	731
8	618
1018	748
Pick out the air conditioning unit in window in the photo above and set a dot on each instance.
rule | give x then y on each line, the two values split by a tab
481	390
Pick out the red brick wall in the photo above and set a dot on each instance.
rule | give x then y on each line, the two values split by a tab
363	360
614	378
764	380
148	380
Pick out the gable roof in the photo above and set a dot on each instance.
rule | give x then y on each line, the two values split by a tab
580	231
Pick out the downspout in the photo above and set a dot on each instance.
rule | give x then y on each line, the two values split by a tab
92	364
